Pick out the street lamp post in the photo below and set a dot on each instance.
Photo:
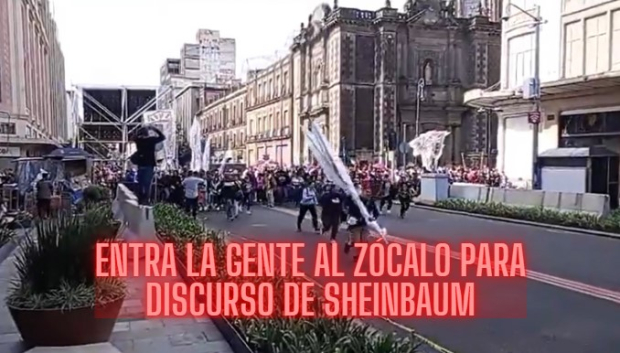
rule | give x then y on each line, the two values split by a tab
419	97
534	117
343	150
404	140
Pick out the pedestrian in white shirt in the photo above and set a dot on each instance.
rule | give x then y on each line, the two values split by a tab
191	185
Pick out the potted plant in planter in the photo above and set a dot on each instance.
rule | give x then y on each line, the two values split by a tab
56	299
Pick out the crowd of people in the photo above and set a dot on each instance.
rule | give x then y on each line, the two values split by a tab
306	187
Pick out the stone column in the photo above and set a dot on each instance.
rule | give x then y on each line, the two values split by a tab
385	78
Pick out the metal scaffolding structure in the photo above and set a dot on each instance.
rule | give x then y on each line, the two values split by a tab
105	117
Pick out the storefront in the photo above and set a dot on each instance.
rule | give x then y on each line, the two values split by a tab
579	112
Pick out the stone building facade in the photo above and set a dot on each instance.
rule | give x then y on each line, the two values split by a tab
580	83
224	121
33	106
269	113
356	74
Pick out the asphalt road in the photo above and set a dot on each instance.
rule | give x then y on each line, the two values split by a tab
558	319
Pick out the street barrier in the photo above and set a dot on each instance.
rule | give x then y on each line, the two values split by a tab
137	221
472	192
596	204
138	224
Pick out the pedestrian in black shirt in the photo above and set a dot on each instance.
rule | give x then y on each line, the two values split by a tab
146	139
44	190
331	210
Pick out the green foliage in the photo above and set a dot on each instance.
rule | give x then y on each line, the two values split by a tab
280	334
57	269
610	223
95	194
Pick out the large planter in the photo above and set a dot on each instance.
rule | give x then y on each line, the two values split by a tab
55	327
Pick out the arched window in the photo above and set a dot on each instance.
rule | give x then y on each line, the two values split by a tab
428	72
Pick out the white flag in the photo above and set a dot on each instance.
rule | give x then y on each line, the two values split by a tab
206	154
335	171
195	146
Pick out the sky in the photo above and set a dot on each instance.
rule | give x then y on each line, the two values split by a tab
125	42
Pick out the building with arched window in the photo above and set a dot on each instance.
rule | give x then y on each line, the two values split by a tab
366	75
269	103
224	121
579	75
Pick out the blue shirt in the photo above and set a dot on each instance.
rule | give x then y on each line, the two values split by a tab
308	197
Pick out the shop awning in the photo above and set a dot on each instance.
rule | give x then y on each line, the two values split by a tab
491	97
582	83
484	98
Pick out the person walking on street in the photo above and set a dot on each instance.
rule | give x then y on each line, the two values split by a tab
331	210
308	204
191	185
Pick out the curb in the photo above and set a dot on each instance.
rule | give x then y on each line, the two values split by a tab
431	346
222	323
519	221
508	220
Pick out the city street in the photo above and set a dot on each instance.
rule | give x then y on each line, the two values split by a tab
572	303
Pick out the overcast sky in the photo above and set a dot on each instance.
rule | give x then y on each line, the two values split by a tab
114	42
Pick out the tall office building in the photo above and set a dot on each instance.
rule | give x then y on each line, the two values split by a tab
217	57
33	110
205	68
212	60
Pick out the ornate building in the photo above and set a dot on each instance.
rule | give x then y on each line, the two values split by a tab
269	112
358	74
224	120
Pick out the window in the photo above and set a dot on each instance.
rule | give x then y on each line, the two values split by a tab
270	122
278	85
260	93
285	82
285	119
8	129
259	125
573	49
615	41
596	45
520	60
277	122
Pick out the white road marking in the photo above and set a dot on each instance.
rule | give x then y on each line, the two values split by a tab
578	287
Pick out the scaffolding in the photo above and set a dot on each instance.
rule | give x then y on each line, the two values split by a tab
106	117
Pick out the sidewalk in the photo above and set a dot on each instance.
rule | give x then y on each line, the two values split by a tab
10	340
132	333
